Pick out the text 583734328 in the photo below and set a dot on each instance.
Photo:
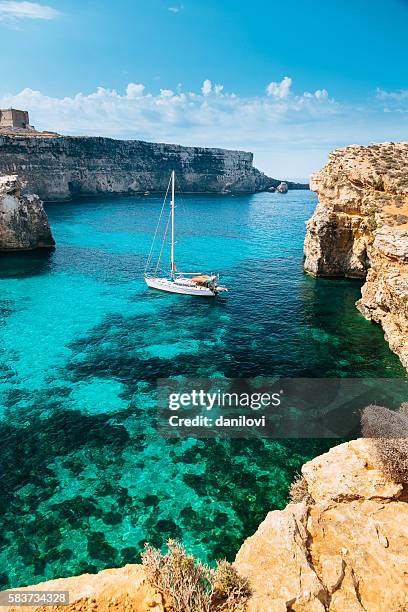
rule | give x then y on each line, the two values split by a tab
32	598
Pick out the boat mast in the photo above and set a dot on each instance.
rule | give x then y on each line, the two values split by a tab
172	221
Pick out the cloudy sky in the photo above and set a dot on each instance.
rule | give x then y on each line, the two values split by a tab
287	80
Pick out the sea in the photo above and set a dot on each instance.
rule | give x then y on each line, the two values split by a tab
86	478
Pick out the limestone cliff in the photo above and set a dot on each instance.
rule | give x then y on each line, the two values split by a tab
360	229
61	167
344	547
23	222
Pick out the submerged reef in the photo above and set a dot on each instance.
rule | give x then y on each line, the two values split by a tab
340	545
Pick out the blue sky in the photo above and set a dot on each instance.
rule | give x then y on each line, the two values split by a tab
71	63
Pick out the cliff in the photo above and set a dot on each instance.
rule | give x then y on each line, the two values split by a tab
61	167
342	546
360	229
23	222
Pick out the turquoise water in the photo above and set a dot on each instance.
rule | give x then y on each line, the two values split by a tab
82	341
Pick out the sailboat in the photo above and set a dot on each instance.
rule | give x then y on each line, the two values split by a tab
187	283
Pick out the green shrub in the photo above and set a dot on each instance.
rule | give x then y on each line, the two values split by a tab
192	586
372	223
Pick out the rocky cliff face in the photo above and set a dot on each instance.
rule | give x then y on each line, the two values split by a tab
59	168
360	229
23	222
344	547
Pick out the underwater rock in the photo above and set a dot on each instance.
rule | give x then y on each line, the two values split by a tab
23	222
343	547
360	230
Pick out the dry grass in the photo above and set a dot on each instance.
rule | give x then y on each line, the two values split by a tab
192	586
231	591
388	431
298	491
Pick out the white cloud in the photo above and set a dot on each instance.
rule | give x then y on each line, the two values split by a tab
400	94
207	87
12	11
210	117
133	90
166	93
176	9
280	90
289	133
393	101
321	94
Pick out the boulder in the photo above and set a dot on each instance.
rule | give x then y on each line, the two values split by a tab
282	187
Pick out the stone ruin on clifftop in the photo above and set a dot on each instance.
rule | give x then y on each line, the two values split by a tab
13	119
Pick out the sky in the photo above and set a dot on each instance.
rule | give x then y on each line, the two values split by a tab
289	81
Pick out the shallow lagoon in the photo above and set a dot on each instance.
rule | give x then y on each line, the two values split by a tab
82	341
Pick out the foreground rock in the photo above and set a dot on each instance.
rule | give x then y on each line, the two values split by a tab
113	589
343	548
23	222
62	167
360	230
346	551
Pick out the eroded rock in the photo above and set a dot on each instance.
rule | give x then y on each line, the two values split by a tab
23	222
123	589
282	187
346	551
282	573
344	476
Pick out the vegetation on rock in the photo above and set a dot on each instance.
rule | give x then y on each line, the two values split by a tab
299	492
388	431
192	586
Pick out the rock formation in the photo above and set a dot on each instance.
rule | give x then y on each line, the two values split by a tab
23	222
61	167
344	547
360	230
282	187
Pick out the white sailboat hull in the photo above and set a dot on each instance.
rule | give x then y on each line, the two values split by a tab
185	288
184	283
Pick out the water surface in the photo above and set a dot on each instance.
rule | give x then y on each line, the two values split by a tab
82	341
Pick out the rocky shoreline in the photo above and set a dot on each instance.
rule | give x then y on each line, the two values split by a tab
340	545
360	230
59	168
